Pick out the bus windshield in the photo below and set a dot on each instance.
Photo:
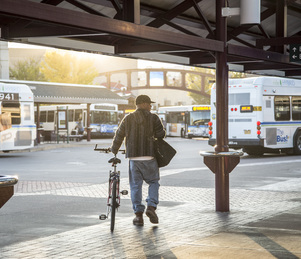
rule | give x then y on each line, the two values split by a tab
199	117
101	117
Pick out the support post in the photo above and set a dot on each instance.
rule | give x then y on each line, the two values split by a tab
221	162
221	176
131	11
221	81
88	122
38	124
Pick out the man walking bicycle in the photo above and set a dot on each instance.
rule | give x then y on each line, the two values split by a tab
138	129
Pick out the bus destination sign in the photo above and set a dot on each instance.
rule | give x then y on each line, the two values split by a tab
201	108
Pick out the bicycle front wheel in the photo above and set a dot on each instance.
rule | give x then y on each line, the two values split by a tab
113	204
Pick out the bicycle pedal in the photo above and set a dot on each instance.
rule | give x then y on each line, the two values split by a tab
102	217
124	192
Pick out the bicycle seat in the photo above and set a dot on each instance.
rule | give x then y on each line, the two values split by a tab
114	160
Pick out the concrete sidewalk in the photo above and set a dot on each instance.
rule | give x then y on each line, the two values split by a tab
261	224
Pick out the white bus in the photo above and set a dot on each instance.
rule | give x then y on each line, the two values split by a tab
104	119
185	121
17	127
264	115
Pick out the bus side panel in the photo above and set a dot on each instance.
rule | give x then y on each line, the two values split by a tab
277	136
23	138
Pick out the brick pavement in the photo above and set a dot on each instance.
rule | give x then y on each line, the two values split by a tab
189	229
264	222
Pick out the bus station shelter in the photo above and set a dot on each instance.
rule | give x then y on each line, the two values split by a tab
258	36
59	94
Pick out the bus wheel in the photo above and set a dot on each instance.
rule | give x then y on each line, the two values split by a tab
297	144
254	151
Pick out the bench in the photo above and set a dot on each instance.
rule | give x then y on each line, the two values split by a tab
76	138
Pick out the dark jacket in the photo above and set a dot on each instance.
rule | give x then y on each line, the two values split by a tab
138	129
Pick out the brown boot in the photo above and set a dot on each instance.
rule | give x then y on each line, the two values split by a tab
151	213
138	220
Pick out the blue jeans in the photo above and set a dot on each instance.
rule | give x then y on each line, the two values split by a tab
148	171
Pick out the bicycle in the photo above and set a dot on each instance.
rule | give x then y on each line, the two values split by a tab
113	201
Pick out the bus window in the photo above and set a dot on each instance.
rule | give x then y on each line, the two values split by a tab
176	117
43	116
27	112
14	110
113	117
296	107
50	116
78	114
95	117
70	115
239	99
282	108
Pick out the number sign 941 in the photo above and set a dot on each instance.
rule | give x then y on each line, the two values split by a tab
9	97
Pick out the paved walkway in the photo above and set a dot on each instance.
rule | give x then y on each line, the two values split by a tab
261	224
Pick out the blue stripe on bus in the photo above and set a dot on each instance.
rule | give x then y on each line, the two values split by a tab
281	123
23	126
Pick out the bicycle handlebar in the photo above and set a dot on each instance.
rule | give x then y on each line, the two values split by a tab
107	150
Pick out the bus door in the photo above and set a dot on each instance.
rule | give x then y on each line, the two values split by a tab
242	117
5	125
175	124
187	123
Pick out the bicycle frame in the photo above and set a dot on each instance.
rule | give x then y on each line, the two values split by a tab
113	201
114	176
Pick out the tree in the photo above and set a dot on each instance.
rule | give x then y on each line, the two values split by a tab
63	67
26	70
201	80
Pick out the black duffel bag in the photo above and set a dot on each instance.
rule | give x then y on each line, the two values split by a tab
163	152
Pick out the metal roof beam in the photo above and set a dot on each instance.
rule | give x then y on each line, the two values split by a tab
144	47
269	66
84	7
204	19
257	54
278	41
293	73
52	2
174	12
64	17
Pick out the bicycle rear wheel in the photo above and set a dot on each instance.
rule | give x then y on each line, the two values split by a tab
113	204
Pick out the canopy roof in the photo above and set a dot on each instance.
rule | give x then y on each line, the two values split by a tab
177	31
70	93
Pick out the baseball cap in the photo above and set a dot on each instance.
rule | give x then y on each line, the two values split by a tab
143	99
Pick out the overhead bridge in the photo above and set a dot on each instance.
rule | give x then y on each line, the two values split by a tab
174	79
